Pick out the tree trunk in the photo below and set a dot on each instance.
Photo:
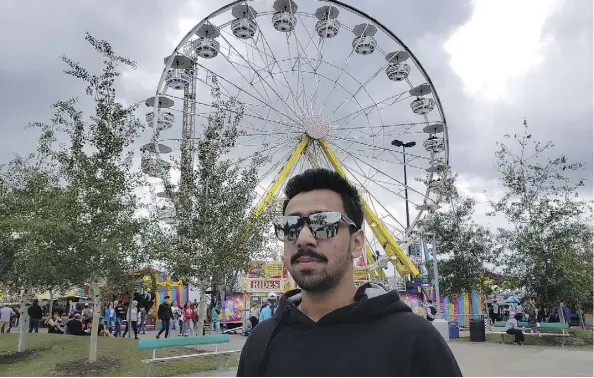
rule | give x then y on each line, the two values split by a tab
23	318
202	309
51	304
96	318
129	320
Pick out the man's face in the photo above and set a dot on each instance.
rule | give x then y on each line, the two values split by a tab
319	265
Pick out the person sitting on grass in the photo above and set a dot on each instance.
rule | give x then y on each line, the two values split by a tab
55	325
512	328
75	326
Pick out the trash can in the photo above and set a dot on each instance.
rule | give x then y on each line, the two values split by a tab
454	330
477	330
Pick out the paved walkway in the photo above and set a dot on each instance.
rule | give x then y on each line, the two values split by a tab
488	359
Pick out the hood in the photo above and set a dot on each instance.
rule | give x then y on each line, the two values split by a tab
371	301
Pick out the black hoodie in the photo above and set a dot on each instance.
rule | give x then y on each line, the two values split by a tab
378	335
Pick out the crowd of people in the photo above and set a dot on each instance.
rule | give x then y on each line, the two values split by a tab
525	310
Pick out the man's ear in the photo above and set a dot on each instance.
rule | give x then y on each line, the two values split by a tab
357	244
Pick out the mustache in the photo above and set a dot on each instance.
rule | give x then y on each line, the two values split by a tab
308	252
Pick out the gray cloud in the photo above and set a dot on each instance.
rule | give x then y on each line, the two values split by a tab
556	96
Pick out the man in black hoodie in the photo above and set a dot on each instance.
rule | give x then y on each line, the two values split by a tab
35	316
329	327
165	314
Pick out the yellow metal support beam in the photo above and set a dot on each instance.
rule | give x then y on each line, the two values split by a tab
282	175
402	264
312	159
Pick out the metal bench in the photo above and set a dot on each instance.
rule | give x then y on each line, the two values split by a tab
550	326
154	344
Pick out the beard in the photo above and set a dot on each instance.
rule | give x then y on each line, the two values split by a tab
325	279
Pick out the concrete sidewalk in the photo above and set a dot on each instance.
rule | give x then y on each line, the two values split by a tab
488	359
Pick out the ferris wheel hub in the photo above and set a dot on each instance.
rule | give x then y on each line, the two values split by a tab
316	126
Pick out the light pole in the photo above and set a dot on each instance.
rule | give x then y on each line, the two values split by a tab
399	143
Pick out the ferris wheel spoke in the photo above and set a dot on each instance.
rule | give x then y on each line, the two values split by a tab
268	149
393	125
303	49
376	169
387	215
203	115
380	148
249	94
362	87
253	69
300	79
393	98
296	102
337	79
374	199
269	66
258	115
275	61
397	161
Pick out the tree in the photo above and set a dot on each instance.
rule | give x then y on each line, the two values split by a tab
463	247
33	230
216	234
547	248
97	171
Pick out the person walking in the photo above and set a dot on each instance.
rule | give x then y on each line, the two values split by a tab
120	314
35	316
142	315
109	318
188	320
268	311
331	327
165	314
87	316
6	313
214	316
133	321
430	311
174	323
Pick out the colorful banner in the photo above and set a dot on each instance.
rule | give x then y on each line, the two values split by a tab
234	308
454	309
413	302
267	270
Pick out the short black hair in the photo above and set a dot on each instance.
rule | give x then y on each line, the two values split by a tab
167	297
325	179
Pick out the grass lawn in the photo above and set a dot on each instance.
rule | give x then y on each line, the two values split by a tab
64	355
578	338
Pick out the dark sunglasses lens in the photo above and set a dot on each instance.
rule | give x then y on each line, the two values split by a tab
287	228
324	225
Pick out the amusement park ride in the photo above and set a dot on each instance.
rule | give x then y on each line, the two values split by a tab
312	95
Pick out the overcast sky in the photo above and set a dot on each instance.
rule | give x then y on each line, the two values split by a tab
493	63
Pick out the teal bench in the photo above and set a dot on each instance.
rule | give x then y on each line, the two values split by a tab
173	342
541	326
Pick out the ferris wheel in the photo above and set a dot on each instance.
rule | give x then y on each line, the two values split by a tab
321	84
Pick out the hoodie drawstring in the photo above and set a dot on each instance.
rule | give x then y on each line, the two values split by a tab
263	361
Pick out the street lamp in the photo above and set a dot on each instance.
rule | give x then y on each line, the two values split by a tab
399	143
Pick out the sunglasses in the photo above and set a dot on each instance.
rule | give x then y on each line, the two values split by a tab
322	225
